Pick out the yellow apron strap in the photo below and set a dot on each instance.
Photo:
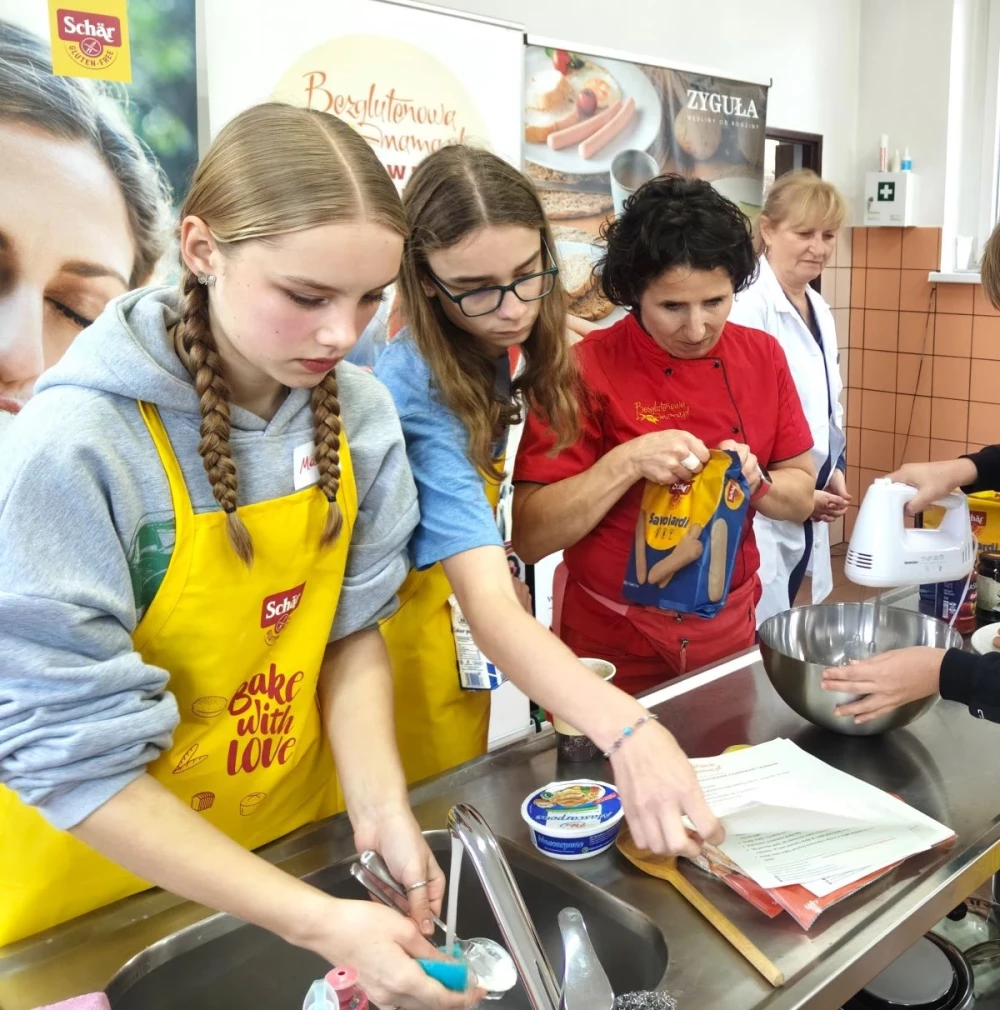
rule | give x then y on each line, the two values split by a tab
179	497
180	500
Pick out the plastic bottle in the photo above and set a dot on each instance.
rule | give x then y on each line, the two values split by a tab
339	990
883	153
896	165
907	163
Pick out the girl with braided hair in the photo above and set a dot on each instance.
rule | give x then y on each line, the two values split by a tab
193	572
479	278
666	384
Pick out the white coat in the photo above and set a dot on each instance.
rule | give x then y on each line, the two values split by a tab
816	373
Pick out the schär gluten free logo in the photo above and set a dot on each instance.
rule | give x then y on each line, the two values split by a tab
92	40
276	611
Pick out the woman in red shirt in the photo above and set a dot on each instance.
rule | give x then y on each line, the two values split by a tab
664	385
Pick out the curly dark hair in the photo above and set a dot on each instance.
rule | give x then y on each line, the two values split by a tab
673	222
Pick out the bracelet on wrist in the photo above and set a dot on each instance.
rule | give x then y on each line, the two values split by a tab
629	731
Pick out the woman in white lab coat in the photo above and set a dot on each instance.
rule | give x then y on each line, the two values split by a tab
796	234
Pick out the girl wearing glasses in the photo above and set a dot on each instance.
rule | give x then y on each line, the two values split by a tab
478	278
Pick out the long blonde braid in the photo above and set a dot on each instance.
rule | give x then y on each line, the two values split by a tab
203	362
326	422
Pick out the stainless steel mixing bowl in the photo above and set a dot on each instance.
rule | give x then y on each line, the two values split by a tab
798	645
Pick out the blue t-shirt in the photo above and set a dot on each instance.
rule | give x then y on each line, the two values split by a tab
455	514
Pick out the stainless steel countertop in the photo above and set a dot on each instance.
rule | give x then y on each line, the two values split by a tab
944	764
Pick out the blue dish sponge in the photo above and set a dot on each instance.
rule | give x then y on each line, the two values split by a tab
453	975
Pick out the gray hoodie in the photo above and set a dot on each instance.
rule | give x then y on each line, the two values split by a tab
86	530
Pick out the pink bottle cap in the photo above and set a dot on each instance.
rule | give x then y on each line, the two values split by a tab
342	979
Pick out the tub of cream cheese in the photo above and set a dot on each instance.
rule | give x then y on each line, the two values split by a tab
575	819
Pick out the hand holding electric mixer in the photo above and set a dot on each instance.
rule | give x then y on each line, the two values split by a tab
798	645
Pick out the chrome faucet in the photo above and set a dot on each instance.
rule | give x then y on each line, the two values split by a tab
585	985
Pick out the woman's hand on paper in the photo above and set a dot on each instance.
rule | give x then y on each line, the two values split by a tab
667	457
886	681
658	786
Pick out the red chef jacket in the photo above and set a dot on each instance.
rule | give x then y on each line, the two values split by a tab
742	390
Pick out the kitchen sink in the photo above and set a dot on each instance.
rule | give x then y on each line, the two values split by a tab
225	964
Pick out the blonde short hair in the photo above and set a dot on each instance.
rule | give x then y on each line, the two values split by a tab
989	268
801	198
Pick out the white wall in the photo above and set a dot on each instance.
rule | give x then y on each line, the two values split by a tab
904	87
808	47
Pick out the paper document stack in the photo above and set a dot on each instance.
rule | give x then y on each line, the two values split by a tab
801	835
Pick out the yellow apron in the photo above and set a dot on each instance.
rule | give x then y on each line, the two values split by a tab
243	649
438	724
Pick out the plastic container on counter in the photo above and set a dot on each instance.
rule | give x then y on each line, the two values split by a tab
575	819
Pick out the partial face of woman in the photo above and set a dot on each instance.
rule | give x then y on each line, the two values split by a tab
798	252
65	251
288	309
684	310
490	256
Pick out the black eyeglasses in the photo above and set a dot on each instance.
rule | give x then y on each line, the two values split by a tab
483	301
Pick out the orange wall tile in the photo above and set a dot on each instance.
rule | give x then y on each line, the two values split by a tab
856	333
955	298
983	426
946	449
914	374
916	332
878	411
951	380
950	419
985	381
877	448
885	247
859	246
981	305
879	370
857	299
953	335
881	330
882	289
913	415
924	374
921	248
986	337
916	292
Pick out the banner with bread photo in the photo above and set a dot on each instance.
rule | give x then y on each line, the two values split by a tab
597	127
686	539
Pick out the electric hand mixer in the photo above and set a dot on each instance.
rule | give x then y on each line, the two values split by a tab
884	553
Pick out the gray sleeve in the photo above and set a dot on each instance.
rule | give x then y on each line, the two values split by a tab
81	714
387	504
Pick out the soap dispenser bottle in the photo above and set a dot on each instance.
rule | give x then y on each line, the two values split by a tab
339	990
344	982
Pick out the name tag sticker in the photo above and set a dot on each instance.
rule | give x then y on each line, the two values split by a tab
304	469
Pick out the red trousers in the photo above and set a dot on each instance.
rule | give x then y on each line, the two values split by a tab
652	646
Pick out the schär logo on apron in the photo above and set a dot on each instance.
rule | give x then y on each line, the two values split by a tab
276	611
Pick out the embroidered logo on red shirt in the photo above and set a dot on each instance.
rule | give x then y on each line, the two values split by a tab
654	413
